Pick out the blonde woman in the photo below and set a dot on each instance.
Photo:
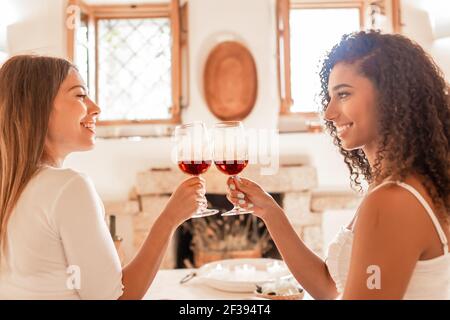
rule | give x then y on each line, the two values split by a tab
51	219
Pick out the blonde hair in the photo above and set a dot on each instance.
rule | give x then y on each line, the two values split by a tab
28	87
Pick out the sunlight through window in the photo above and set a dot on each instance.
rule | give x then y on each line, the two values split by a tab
134	70
313	33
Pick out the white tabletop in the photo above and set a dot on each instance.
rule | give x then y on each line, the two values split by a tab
167	286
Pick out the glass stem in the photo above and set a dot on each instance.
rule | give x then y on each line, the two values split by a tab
200	210
236	206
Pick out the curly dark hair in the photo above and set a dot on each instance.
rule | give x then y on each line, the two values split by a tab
413	107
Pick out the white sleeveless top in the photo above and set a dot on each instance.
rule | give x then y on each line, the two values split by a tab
430	278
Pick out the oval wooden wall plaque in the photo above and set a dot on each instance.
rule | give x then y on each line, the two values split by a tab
230	81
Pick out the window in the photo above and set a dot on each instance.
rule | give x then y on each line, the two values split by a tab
130	57
82	48
306	30
134	68
306	50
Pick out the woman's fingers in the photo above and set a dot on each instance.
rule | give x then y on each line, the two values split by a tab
201	199
196	181
238	198
238	183
231	184
237	194
239	188
201	192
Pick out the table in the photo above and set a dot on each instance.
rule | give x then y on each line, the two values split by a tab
166	285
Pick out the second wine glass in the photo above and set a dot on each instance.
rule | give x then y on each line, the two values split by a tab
231	153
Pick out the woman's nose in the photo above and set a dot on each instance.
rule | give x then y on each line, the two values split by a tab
93	108
331	112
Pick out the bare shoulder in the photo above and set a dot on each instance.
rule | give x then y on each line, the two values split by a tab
392	211
387	234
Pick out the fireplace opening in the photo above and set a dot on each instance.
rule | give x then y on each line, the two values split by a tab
204	240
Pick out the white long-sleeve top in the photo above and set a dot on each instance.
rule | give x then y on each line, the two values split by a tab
58	245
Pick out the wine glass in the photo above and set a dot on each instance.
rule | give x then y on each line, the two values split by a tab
231	153
194	155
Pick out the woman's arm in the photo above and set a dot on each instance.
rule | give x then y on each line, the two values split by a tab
309	269
138	275
77	219
388	241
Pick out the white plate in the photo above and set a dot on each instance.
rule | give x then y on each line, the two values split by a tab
242	275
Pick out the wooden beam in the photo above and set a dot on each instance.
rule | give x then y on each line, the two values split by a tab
176	57
326	4
396	16
131	11
70	30
184	61
83	8
284	55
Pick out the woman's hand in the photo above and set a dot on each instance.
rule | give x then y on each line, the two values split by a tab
249	195
185	201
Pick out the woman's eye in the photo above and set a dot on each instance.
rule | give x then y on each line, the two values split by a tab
343	95
81	96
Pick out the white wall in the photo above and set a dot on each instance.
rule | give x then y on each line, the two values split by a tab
38	27
251	22
8	14
428	23
113	163
3	57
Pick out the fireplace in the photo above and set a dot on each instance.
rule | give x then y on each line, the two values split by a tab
292	186
243	236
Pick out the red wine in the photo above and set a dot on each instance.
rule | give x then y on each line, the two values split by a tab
194	167
231	167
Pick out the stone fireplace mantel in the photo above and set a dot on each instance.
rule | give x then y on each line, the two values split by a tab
288	179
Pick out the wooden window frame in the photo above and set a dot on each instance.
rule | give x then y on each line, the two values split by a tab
71	43
171	10
283	8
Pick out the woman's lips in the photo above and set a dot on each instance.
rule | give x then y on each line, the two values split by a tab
341	129
89	126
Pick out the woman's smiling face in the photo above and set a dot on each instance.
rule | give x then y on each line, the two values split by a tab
72	121
352	107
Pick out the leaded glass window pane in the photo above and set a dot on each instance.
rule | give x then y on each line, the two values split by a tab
134	69
82	49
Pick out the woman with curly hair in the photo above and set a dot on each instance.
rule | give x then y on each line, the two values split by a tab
386	106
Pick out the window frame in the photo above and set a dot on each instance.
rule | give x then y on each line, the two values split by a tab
172	11
283	9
